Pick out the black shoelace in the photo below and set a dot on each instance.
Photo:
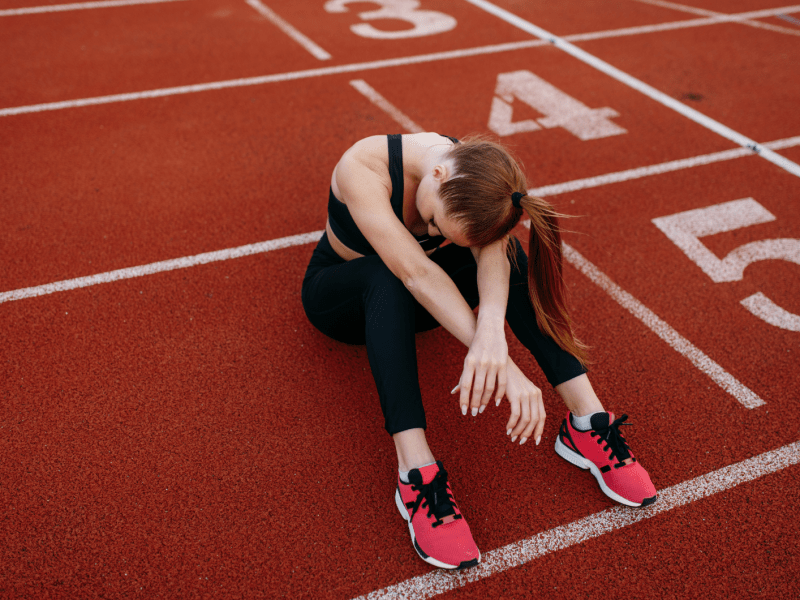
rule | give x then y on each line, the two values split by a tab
614	441
435	497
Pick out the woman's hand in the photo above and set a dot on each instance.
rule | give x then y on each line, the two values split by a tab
485	367
527	409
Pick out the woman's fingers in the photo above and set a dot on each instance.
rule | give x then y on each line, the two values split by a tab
466	386
489	386
515	414
537	433
477	390
525	417
502	381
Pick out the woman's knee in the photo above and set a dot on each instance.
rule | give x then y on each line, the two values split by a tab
381	282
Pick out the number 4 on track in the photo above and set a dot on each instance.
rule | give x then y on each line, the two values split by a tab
560	109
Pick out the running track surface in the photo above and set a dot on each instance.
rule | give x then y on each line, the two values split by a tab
181	431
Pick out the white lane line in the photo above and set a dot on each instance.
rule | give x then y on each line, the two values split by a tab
288	29
548	190
789	19
639	86
671	26
351	68
524	551
33	10
160	267
711	13
373	96
278	77
676	341
673	165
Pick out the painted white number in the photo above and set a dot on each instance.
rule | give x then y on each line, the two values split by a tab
685	229
425	22
560	110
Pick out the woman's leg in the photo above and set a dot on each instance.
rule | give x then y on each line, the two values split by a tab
362	302
563	371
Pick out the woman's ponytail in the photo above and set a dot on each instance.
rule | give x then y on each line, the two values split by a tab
545	276
477	197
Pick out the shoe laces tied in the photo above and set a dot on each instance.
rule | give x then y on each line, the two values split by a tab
614	441
436	497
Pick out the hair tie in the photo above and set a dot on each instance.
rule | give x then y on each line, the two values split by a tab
516	197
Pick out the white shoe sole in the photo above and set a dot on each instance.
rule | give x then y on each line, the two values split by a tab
398	500
579	461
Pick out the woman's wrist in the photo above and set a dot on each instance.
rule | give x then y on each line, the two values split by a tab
491	317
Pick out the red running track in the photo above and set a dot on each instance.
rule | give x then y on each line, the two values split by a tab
189	434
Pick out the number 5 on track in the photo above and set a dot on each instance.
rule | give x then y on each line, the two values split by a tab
685	229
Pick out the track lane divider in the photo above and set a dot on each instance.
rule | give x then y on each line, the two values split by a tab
288	29
352	68
35	10
275	78
744	395
548	190
666	167
162	266
559	538
639	85
711	13
371	94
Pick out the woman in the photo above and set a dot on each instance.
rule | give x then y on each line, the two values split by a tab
379	275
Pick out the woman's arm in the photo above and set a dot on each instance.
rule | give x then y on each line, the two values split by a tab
367	195
486	361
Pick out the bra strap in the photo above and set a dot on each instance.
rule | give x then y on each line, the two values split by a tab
396	173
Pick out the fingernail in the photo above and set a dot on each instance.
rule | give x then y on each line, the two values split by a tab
508	432
455	389
538	439
464	410
482	408
498	403
523	440
474	411
514	439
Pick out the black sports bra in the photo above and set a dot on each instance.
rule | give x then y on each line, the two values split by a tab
345	228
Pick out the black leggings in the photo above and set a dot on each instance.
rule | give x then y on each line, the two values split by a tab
362	302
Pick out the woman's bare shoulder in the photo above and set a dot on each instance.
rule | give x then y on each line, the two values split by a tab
370	151
365	161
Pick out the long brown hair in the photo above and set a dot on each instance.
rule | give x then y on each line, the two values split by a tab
479	196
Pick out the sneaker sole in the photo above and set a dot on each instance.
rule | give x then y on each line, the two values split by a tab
428	559
579	461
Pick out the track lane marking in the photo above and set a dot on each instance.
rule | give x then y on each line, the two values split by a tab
711	13
288	29
34	10
789	19
390	109
353	68
559	538
638	85
190	261
162	266
275	78
744	395
673	165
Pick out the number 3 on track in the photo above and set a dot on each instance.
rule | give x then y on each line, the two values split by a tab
685	229
425	22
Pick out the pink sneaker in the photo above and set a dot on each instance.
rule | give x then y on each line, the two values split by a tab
605	453
439	532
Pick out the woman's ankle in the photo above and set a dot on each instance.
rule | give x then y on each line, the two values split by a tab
412	449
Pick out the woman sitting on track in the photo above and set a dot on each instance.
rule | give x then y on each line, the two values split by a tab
378	276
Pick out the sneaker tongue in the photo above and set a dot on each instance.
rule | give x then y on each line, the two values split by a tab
423	475
600	420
